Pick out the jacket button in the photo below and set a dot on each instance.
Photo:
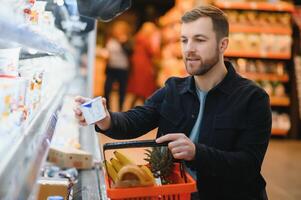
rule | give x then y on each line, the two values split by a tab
192	116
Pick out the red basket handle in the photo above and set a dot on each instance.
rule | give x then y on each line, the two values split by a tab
133	144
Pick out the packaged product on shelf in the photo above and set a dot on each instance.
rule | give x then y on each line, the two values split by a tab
261	66
67	157
280	70
34	79
39	8
280	121
279	89
267	86
53	186
9	96
263	43
241	65
9	61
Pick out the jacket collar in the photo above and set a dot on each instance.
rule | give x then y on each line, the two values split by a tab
225	85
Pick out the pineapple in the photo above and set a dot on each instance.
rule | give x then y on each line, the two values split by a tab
161	163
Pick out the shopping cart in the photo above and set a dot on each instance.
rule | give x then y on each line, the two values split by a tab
183	184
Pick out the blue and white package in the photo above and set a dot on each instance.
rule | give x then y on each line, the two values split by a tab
93	110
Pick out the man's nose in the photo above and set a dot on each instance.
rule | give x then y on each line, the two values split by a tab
190	47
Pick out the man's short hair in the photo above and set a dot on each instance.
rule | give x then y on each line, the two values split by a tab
218	17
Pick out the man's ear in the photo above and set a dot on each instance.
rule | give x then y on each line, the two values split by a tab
223	44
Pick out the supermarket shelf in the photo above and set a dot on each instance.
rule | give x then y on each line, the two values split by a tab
21	165
257	55
260	29
277	131
279	101
279	6
261	76
15	32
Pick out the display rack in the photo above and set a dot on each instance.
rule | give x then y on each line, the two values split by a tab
255	29
26	152
19	33
21	164
243	26
276	131
264	55
262	76
263	6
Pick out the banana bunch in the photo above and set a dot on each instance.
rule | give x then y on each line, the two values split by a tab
125	173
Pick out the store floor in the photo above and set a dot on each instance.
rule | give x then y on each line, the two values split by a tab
281	167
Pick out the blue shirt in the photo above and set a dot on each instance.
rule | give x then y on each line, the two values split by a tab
194	134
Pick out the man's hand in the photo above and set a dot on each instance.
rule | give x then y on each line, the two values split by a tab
180	145
103	124
78	113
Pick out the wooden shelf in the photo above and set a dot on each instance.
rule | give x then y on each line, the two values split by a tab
279	101
260	29
277	131
257	55
269	77
280	6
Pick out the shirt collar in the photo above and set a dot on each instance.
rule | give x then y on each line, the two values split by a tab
225	85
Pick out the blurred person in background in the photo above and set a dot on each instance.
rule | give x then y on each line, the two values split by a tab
142	79
117	51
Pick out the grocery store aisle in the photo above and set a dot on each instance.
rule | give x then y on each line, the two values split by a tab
282	169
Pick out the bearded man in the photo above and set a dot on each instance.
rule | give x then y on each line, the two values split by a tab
216	121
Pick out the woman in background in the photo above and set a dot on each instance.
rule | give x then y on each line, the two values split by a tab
142	80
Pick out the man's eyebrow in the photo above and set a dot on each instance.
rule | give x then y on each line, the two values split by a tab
195	36
200	35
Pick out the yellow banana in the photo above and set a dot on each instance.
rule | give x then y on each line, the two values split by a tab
111	171
123	159
148	173
116	164
132	176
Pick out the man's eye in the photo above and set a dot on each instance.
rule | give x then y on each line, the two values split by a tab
183	41
200	40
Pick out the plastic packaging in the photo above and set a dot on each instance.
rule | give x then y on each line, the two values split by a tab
9	61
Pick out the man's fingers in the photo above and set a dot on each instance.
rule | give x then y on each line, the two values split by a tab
82	120
174	144
177	150
169	137
80	99
104	103
180	155
83	123
77	111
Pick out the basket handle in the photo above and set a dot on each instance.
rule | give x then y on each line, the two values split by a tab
133	144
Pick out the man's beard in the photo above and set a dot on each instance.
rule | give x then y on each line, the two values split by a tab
204	66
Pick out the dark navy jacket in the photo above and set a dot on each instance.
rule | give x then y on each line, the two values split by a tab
233	138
